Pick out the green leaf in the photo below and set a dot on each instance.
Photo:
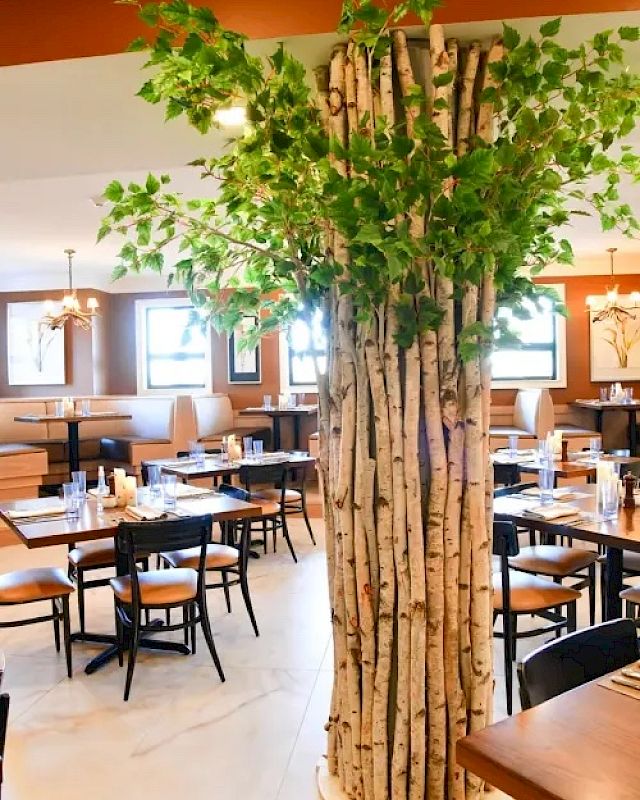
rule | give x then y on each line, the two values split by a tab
551	28
139	43
510	37
443	80
114	192
629	33
152	184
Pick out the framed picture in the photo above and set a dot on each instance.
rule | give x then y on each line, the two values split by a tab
244	364
615	342
35	353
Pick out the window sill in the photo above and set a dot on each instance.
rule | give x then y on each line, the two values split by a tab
529	384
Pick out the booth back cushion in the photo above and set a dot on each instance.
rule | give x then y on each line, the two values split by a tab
534	412
11	431
213	414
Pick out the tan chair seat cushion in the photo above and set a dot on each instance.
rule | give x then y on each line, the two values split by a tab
29	585
290	495
530	593
632	594
218	555
160	587
549	559
267	508
94	554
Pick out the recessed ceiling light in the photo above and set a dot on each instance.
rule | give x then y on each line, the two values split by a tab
233	116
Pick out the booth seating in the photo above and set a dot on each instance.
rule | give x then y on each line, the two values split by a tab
22	470
314	444
214	417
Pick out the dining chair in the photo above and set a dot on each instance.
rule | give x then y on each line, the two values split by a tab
4	719
272	514
295	498
558	562
227	559
36	585
183	588
576	659
518	593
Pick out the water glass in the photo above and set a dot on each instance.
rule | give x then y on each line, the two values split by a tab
86	407
604	394
80	482
293	401
608	498
546	481
247	444
71	500
628	394
196	452
513	445
266	402
595	446
153	480
169	484
59	412
258	447
301	399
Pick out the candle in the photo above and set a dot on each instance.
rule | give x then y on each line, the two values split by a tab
131	490
119	485
68	406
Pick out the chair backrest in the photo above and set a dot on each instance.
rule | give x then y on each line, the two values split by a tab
533	412
264	473
505	541
575	659
234	491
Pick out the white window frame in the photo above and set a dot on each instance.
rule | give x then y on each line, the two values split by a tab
141	348
561	349
285	384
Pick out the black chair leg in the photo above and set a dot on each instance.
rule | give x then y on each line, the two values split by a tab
185	622
80	588
571	617
206	629
66	629
133	652
225	587
308	524
264	535
592	595
192	618
119	636
244	588
603	593
285	533
56	623
514	638
507	621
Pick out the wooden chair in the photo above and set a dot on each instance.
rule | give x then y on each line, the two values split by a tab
516	593
183	588
556	561
273	514
35	586
226	559
295	499
573	660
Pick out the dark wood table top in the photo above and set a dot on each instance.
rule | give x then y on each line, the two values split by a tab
282	412
623	532
92	417
582	745
90	525
607	405
213	467
562	469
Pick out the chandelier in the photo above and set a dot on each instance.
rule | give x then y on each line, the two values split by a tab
71	309
610	306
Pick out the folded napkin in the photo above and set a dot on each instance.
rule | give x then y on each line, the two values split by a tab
144	513
561	493
43	511
186	490
552	511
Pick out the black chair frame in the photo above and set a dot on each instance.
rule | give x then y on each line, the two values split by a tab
4	719
136	538
277	475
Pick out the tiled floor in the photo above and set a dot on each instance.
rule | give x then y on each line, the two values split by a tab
258	736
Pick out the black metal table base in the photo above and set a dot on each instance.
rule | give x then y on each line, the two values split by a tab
106	656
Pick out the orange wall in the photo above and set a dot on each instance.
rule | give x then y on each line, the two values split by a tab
46	30
579	383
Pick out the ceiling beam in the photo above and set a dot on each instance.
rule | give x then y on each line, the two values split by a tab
39	30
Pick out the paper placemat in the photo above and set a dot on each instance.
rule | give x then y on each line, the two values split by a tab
629	691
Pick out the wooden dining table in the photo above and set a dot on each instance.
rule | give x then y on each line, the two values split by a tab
617	535
600	407
91	524
187	469
295	414
581	745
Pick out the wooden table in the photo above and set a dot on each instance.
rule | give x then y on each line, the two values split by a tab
89	525
562	469
295	414
616	535
214	468
581	745
630	409
72	429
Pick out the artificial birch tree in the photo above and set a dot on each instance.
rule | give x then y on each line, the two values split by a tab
404	191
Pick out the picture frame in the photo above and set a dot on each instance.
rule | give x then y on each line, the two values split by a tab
35	353
244	366
614	343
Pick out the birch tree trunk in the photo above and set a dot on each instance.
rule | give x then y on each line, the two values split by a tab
406	477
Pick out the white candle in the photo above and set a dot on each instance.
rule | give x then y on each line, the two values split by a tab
131	490
68	407
120	491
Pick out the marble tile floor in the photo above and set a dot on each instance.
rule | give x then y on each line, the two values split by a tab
255	737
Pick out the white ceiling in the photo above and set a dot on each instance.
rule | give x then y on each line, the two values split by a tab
69	127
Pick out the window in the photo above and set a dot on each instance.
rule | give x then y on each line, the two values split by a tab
173	350
300	346
540	360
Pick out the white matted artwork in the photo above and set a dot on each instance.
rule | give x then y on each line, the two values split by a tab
35	353
244	363
615	342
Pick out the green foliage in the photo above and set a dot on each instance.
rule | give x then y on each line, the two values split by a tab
259	230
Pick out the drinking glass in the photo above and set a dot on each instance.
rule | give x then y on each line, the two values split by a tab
266	402
247	444
608	498
595	445
258	447
71	500
546	481
80	482
513	445
169	484
293	401
301	399
628	394
59	408
153	479
86	408
604	394
196	452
